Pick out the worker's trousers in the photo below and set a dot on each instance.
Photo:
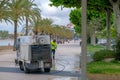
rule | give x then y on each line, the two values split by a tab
53	53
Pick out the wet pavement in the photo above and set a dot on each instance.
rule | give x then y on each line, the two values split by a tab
65	67
67	59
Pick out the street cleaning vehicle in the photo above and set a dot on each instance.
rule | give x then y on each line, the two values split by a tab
34	53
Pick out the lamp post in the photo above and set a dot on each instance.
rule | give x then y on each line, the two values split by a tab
84	41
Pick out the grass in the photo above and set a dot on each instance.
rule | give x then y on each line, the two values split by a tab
103	68
92	49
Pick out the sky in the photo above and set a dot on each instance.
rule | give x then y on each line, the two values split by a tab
59	17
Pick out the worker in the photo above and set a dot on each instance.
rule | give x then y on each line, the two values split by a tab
53	47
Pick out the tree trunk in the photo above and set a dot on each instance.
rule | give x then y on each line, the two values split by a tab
15	34
84	41
116	10
93	38
108	13
117	18
26	33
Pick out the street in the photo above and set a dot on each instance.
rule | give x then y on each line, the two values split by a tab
65	67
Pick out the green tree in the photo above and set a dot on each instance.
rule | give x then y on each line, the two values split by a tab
35	26
4	34
4	11
16	12
96	5
103	6
116	9
94	22
66	3
75	18
42	25
61	32
31	11
46	25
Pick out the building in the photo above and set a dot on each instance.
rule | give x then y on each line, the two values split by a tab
70	26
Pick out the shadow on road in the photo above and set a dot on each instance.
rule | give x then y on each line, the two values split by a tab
53	72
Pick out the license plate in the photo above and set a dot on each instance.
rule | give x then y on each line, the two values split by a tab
47	64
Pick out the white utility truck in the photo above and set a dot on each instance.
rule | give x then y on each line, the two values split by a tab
34	53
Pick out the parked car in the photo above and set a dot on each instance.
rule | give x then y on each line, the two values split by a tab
104	42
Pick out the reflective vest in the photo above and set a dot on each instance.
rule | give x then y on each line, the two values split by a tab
53	45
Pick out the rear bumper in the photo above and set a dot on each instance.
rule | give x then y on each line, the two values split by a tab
38	65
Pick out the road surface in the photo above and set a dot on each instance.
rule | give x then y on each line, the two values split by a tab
66	65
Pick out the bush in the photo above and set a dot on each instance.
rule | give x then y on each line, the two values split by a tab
102	54
92	49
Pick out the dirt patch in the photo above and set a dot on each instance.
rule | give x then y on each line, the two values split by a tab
2	48
103	76
6	50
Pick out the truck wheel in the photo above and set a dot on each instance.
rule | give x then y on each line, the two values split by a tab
26	70
16	61
21	67
47	69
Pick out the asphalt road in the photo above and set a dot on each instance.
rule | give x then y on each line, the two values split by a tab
66	65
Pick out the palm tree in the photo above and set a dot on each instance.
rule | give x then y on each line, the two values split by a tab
31	12
35	25
42	25
4	13
46	25
16	11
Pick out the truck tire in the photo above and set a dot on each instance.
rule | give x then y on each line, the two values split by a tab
21	67
26	70
47	69
16	61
